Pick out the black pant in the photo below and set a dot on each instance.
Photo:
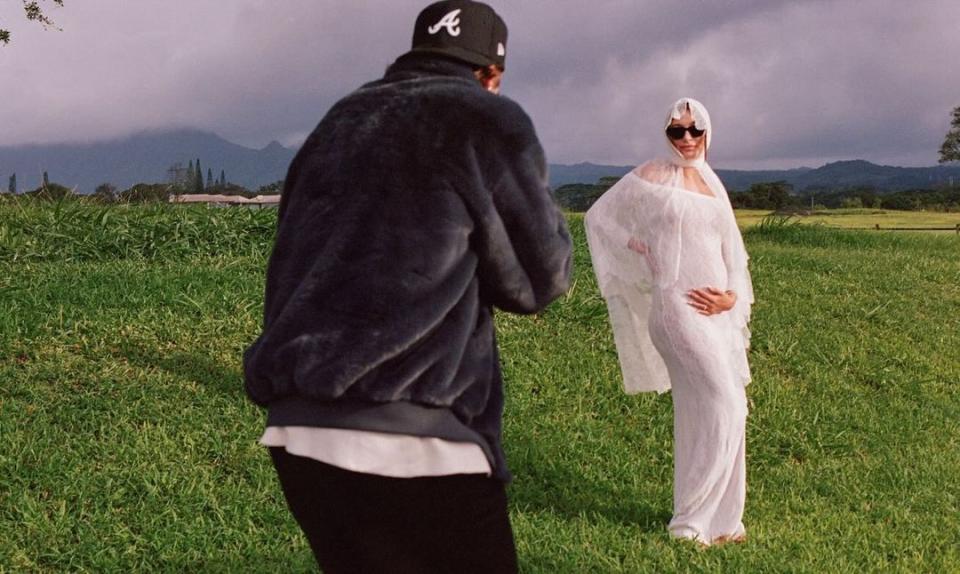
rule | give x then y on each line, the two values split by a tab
360	523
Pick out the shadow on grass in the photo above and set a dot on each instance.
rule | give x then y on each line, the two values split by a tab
542	484
194	366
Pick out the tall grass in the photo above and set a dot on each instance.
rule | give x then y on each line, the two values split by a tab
69	230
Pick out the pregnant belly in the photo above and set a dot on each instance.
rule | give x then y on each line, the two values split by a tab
677	329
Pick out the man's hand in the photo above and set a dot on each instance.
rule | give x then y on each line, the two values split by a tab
710	301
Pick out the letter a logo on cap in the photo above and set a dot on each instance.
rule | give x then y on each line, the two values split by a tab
450	21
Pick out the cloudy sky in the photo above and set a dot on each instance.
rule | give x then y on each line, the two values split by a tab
788	83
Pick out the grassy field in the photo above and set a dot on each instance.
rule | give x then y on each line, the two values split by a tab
862	218
128	446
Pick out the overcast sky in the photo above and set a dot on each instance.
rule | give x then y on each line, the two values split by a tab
787	83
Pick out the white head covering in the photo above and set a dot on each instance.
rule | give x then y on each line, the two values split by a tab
649	204
701	120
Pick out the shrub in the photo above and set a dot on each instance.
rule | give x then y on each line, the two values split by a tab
147	193
51	192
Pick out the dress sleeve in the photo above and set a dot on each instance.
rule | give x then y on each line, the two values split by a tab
610	223
626	279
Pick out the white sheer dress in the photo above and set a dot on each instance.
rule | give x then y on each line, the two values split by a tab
692	241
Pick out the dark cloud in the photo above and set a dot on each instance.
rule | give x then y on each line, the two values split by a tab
787	83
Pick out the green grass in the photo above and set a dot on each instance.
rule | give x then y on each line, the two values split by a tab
77	231
862	218
127	444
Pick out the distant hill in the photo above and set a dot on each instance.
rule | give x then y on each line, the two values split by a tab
740	180
142	158
882	177
584	173
146	157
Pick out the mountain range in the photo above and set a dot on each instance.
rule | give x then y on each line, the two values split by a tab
142	158
147	158
834	175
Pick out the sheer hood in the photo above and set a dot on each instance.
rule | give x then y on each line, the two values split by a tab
701	120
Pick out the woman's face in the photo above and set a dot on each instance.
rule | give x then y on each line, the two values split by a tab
689	147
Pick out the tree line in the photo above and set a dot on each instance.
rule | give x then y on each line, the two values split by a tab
190	179
779	196
180	180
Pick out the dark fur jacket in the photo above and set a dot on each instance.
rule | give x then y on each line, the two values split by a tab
417	205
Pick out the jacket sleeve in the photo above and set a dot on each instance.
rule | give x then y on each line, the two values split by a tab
521	239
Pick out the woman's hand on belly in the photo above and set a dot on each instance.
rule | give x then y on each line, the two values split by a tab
711	301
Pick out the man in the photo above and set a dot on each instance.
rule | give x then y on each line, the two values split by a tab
417	205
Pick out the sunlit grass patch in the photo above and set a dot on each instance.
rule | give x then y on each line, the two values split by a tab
862	218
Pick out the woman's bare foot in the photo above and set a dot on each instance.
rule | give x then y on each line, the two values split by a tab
731	539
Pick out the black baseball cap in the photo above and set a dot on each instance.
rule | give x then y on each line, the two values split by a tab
462	29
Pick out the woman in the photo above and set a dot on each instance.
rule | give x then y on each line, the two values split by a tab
672	267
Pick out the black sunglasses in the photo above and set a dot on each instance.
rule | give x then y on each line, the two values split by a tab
676	132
